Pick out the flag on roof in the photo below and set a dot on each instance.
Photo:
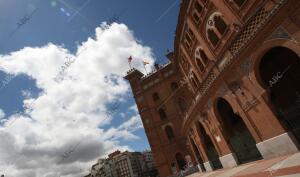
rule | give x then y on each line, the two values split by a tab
145	62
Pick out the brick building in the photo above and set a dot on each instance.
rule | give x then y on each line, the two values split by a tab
231	91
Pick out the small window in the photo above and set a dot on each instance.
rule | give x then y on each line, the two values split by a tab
198	7
169	132
162	114
174	86
190	33
155	96
188	38
196	17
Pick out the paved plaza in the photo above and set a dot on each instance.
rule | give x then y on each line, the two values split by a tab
284	166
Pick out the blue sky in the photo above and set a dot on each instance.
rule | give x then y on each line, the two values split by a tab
65	27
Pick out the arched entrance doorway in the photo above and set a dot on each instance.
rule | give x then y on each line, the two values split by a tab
180	161
197	154
237	134
209	147
279	70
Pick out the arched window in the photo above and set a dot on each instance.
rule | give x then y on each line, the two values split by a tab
169	132
174	86
162	114
155	96
215	27
220	25
201	58
182	105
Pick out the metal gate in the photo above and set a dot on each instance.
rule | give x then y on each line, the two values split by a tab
245	147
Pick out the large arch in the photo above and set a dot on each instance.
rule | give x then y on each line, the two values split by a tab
237	134
279	73
209	147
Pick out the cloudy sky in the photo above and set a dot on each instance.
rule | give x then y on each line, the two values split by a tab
63	100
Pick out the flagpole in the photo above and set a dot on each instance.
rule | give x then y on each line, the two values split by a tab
129	62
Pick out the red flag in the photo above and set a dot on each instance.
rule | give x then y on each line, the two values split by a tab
129	59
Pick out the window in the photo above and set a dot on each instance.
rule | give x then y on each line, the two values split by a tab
220	24
194	79
196	17
169	132
201	58
155	96
162	114
174	86
216	28
198	7
188	38
182	105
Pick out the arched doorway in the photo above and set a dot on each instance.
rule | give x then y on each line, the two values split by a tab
237	133
279	70
180	161
209	147
197	154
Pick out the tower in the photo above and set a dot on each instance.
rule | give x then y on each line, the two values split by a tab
162	104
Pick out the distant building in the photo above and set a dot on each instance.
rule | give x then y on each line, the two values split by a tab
103	168
129	164
148	158
125	164
150	165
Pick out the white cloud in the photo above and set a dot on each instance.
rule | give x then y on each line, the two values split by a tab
71	110
125	130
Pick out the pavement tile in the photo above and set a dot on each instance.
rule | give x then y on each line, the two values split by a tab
261	165
233	171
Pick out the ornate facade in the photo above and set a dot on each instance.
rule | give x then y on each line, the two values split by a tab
236	68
